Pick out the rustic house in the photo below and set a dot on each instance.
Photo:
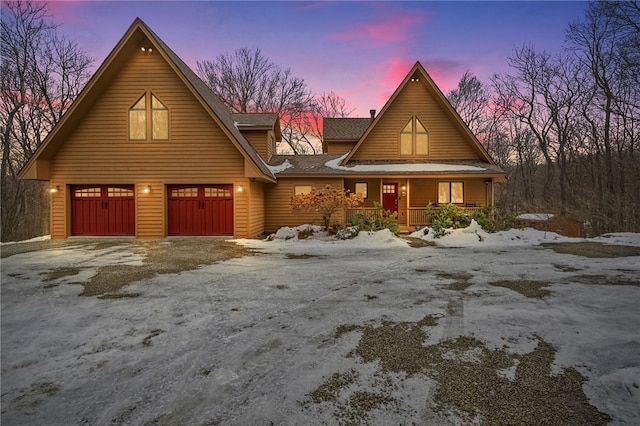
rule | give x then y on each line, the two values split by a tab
148	150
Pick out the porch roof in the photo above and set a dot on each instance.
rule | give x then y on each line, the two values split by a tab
289	165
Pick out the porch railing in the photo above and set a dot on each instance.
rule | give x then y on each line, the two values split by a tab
416	214
368	212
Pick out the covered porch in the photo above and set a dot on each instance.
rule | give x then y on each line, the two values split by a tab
409	196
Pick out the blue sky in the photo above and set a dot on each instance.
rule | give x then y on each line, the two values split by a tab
359	50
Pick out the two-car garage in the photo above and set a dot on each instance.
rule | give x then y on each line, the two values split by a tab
192	210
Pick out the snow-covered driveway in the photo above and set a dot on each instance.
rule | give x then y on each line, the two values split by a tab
296	335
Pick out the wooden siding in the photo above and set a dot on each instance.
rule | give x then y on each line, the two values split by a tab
98	150
150	222
341	147
241	211
259	139
446	141
278	198
256	208
60	211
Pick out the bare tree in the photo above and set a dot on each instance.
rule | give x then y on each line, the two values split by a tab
41	74
607	44
471	100
247	82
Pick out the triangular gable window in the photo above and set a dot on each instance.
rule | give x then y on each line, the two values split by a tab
155	113
414	138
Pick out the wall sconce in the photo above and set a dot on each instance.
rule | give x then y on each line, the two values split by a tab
146	49
415	79
54	189
147	189
240	189
403	188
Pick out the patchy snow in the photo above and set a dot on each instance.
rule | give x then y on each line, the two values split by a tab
281	167
535	216
245	341
32	240
413	167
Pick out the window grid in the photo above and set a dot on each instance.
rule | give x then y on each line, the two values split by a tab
217	192
119	192
388	189
88	192
184	192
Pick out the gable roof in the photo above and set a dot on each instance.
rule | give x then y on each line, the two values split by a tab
421	74
201	91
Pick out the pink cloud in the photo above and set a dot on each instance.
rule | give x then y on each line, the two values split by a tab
389	29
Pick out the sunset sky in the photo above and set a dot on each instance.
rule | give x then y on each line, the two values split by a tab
359	50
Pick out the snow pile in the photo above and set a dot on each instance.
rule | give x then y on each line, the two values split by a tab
535	216
378	238
474	235
32	240
280	168
287	233
413	167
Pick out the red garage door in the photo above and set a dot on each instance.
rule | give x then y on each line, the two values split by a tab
200	209
103	210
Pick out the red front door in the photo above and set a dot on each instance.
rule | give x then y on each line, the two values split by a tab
103	210
200	210
390	197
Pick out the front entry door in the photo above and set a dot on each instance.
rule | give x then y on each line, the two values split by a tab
390	197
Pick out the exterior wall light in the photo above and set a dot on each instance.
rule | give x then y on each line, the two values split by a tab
54	189
240	189
147	189
146	49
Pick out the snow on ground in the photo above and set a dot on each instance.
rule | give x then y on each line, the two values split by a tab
245	341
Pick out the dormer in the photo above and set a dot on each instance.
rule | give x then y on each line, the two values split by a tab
261	130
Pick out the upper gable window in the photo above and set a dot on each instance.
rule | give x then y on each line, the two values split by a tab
159	119
138	119
414	138
148	116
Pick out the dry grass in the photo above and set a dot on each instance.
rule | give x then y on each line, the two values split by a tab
528	288
485	386
594	250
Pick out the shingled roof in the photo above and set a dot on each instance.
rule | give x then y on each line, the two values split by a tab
250	119
345	128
